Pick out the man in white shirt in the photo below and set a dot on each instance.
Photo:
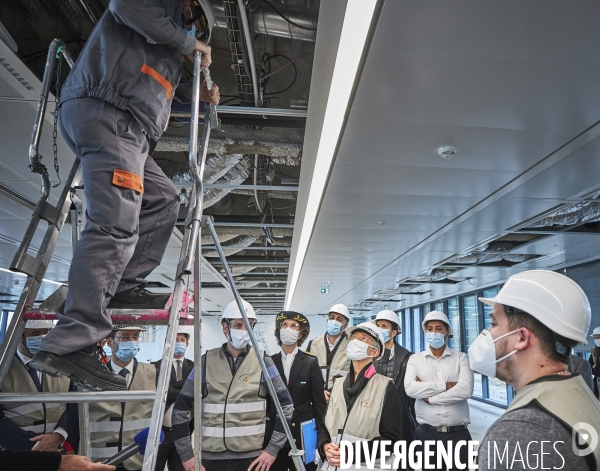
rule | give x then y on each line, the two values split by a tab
114	424
441	380
39	427
180	370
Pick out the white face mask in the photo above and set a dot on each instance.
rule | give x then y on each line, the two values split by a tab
357	350
597	342
288	336
482	353
239	338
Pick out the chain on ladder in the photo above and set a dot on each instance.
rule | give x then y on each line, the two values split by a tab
56	106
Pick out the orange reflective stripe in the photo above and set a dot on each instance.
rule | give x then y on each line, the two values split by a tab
128	180
146	69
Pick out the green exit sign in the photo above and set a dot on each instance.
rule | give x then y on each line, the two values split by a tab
325	290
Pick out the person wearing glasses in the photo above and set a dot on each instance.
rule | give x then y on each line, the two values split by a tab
114	424
364	406
235	400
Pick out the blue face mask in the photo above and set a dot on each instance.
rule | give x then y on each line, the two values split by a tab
180	348
127	350
386	334
435	340
333	327
34	343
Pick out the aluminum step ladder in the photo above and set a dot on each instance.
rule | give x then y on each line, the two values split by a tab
189	262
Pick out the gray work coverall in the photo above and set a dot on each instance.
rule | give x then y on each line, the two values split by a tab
116	98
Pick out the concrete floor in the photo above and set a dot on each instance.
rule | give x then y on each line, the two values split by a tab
482	416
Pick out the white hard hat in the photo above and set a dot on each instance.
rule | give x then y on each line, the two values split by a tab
232	311
435	316
39	324
137	327
186	329
372	330
553	299
595	332
209	15
340	309
388	315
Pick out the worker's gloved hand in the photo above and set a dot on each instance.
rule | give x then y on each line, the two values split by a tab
189	465
81	463
213	96
262	463
47	442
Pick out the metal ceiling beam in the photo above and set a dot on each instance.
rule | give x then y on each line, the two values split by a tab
251	224
267	263
251	247
290	188
283	282
261	289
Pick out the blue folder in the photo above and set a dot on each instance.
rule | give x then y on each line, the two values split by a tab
308	431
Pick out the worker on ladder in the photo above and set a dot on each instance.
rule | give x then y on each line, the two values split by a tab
116	101
113	425
40	426
331	347
234	404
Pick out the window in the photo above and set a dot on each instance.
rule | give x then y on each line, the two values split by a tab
497	390
437	306
417	329
400	336
487	310
454	318
407	333
471	320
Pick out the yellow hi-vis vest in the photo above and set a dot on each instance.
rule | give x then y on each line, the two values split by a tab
570	401
233	414
39	417
340	364
114	424
365	415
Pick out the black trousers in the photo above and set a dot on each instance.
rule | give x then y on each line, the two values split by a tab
421	433
167	454
283	462
228	465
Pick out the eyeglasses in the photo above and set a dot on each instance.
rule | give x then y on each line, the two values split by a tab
127	338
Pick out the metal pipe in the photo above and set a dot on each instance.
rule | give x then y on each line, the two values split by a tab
266	21
78	397
247	111
294	453
250	247
254	263
197	359
84	430
251	187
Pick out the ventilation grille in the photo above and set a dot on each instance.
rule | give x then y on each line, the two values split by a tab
15	74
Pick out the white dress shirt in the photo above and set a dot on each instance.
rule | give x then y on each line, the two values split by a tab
168	418
335	342
26	360
446	407
287	361
117	369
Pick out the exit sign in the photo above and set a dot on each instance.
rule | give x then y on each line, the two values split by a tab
325	290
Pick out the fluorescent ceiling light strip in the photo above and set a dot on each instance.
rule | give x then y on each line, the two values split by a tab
23	274
357	21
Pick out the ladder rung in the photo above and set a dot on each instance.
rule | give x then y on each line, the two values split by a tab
119	316
78	397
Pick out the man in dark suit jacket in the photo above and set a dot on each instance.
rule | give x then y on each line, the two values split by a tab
302	375
393	365
180	370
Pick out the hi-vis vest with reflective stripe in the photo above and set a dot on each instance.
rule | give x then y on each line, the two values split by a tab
113	428
365	415
570	401
37	418
233	414
340	365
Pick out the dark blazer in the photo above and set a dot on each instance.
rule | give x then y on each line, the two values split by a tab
306	388
175	386
401	356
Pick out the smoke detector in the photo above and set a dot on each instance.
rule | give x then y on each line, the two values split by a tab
447	152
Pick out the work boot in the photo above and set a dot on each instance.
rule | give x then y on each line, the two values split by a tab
84	367
138	298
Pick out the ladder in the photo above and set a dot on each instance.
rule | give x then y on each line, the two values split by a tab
189	263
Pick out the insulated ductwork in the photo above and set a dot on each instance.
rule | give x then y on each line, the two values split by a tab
239	241
265	20
572	216
435	274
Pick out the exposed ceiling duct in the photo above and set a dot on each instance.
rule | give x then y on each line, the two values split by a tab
574	215
265	20
240	242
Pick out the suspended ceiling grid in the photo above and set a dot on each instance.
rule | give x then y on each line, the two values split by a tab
507	84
